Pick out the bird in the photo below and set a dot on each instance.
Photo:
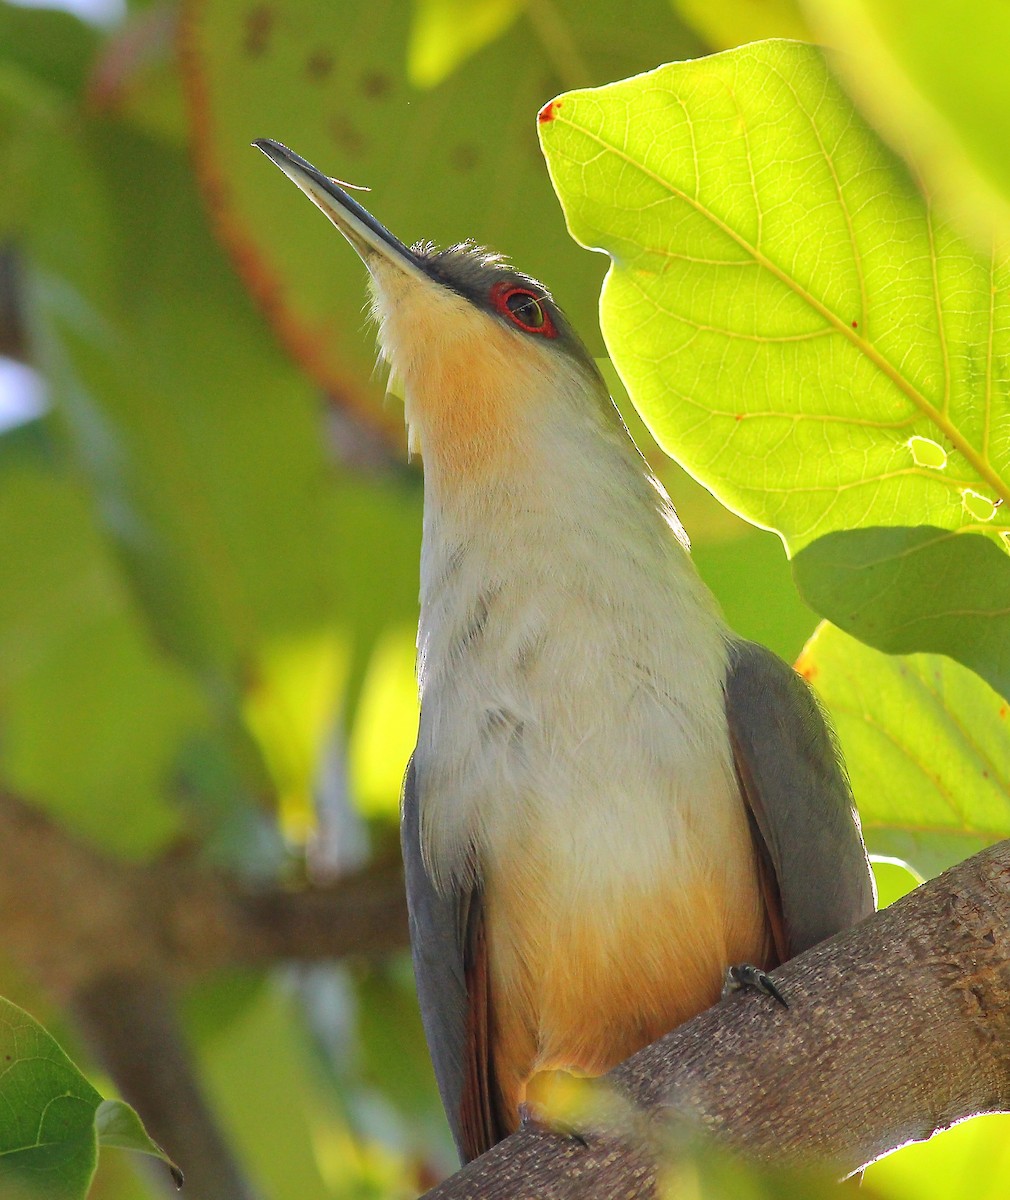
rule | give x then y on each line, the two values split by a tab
615	806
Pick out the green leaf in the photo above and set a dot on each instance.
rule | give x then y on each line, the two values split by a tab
905	590
385	730
793	321
117	1124
927	745
56	47
259	1076
48	1146
894	879
52	1120
445	33
444	163
937	87
971	1161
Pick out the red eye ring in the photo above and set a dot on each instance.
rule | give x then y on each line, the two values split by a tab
502	293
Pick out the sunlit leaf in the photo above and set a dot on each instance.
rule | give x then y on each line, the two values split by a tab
893	878
386	727
937	86
969	1162
453	161
445	33
904	590
927	745
792	319
743	566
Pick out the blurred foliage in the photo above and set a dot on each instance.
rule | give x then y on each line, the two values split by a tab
208	542
936	86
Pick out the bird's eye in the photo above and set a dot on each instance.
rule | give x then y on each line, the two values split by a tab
523	308
526	309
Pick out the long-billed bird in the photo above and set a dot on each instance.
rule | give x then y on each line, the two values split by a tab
612	799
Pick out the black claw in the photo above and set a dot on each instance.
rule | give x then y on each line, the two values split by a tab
745	976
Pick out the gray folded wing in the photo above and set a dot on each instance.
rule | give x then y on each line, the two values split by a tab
450	966
793	781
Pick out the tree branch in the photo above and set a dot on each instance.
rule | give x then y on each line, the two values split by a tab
74	915
896	1029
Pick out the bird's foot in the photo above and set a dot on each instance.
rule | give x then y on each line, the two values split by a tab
533	1116
746	977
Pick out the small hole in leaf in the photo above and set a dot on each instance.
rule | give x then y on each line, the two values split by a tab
927	453
979	506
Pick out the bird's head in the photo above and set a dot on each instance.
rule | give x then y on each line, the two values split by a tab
487	360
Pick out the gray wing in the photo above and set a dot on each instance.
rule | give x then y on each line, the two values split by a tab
794	783
450	966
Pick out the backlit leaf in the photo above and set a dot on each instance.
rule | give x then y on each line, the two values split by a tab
790	316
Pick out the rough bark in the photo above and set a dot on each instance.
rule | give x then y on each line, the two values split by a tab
896	1029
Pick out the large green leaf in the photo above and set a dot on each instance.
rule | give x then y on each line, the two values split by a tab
904	590
796	324
934	80
52	1120
453	161
927	744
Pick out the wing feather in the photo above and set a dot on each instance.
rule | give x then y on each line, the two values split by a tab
449	947
793	782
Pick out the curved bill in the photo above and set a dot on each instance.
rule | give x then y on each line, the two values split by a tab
362	230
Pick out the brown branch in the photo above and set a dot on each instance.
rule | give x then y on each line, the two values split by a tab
73	915
896	1029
